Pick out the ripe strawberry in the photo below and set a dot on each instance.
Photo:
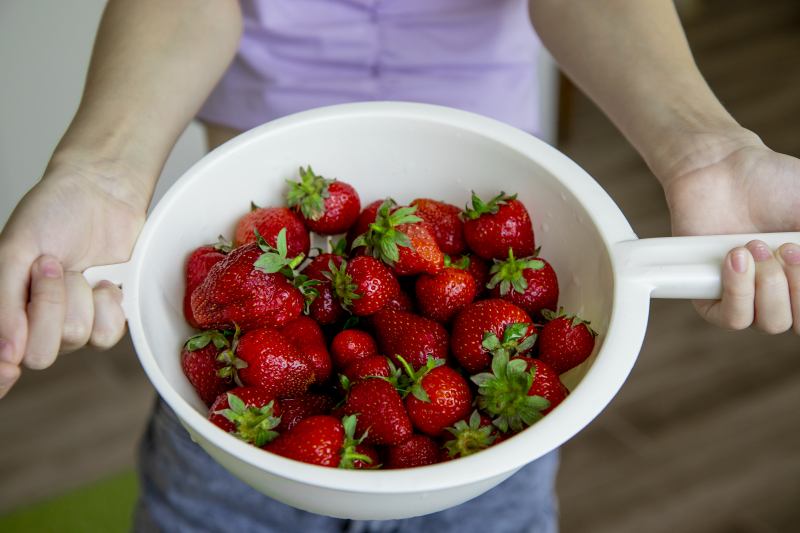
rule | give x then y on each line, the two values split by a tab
444	219
249	288
380	412
351	345
440	296
414	337
402	240
321	440
565	341
491	228
471	326
546	382
209	364
268	222
479	270
307	336
197	268
530	283
363	285
295	409
365	218
371	453
418	450
250	413
273	363
470	436
437	397
401	302
320	266
370	366
327	206
325	308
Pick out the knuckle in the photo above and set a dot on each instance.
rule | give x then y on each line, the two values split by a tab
75	333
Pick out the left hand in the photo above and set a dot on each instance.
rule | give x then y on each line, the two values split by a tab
733	183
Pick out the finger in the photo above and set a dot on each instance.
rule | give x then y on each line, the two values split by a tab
109	320
9	374
790	257
46	311
80	312
735	309
14	279
773	306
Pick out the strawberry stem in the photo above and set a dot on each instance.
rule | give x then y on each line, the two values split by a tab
511	273
479	207
309	194
382	240
253	424
469	437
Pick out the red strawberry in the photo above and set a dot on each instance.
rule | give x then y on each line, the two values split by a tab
565	341
269	221
351	345
401	302
320	266
380	411
491	228
325	308
293	410
493	316
249	288
414	337
273	363
363	285
197	268
546	382
418	450
327	206
371	453
370	366
307	336
402	240
444	219
440	296
530	283
208	362
320	440
470	436
437	397
250	413
479	270
365	218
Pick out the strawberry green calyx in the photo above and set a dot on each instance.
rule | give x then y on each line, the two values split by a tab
309	194
227	348
461	264
231	363
342	284
383	239
223	245
411	382
308	288
255	425
274	259
510	273
503	394
479	207
339	247
203	339
514	341
469	438
349	455
576	320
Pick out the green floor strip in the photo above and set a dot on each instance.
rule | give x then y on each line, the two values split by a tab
103	507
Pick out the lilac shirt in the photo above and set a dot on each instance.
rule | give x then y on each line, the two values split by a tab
478	55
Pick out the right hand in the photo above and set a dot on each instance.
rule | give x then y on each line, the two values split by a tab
79	215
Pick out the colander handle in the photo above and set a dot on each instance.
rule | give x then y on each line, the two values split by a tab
116	274
685	267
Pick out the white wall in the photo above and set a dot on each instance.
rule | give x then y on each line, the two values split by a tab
44	52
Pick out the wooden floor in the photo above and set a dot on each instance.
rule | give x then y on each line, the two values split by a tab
704	436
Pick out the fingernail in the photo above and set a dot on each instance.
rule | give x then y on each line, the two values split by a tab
6	351
791	254
50	268
739	261
760	251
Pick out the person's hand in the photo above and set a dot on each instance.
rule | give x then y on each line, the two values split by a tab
75	217
735	184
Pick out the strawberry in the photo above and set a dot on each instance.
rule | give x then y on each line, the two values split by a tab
325	308
363	285
529	283
321	440
268	222
250	413
371	453
470	436
351	345
307	336
197	268
295	409
565	341
402	240
491	228
209	364
418	450
437	397
380	411
479	270
546	382
440	296
370	366
444	219
401	302
414	337
320	266
365	218
327	206
273	363
250	288
488	317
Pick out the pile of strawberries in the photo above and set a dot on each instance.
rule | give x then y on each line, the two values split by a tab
427	334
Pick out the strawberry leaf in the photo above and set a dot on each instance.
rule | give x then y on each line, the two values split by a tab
309	194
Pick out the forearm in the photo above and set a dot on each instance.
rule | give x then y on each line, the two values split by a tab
633	60
153	65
